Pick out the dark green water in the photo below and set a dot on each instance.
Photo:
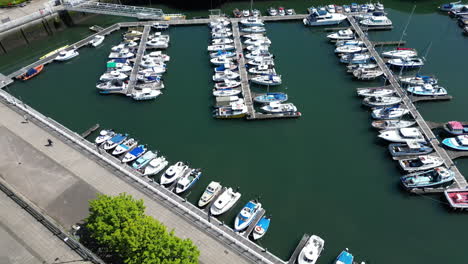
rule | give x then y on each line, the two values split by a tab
325	173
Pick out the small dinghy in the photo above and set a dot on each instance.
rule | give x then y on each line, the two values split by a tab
187	181
366	75
403	135
173	173
427	90
155	166
418	80
346	49
277	107
226	92
456	128
400	53
113	142
246	215
344	258
270	97
345	34
125	146
210	193
457	143
394	112
146	94
379	101
220	47
261	228
372	92
104	135
434	178
410	148
65	55
419	163
355	58
224	202
392	124
30	73
144	160
406	62
253	29
113	75
226	75
134	153
311	251
96	41
270	80
227	84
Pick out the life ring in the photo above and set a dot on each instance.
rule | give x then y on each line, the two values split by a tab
258	228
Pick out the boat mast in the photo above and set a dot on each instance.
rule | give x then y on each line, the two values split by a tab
406	27
251	5
425	55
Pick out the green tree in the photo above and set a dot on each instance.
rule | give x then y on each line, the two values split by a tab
119	223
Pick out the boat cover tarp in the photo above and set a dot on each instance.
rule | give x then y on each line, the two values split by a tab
455	125
31	71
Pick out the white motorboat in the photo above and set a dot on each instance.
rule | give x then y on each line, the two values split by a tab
155	166
257	61
267	80
226	75
111	86
220	21
251	48
221	60
152	63
158	55
223	93
281	11
277	107
113	75
259	53
427	90
344	34
392	124
227	84
424	162
402	135
104	135
272	11
221	35
350	42
133	33
389	112
355	58
379	6
125	146
210	192
160	36
321	18
263	70
366	74
122	54
173	173
114	141
221	47
362	66
379	101
65	55
145	94
245	13
418	80
255	29
400	53
252	22
119	47
290	12
221	41
123	67
376	21
311	251
96	41
246	215
224	202
370	92
131	44
157	43
187	180
258	41
406	62
152	70
254	36
134	154
350	49
331	8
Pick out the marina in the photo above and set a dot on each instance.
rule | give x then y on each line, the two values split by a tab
259	116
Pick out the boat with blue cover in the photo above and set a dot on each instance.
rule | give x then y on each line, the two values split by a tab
271	97
410	148
186	182
261	228
456	128
345	258
114	141
144	160
246	215
125	146
427	90
434	178
134	153
457	143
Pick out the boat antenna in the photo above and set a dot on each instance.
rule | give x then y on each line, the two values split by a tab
406	27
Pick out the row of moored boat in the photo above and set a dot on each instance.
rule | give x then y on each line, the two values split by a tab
459	11
271	11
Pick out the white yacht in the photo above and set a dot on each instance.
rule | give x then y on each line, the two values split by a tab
125	146
104	135
311	251
370	92
157	44
220	47
277	107
406	62
159	55
389	112
220	21
376	21
123	67
424	162
403	134
344	34
226	75
350	49
252	22
258	41
224	202
113	75
145	94
210	192
155	166
381	101
321	18
255	29
400	53
96	41
122	54
331	8
267	79
221	35
221	60
65	55
173	173
251	48
427	90
221	41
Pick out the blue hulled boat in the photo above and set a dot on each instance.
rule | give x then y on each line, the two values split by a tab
261	228
344	258
271	97
437	177
246	215
457	143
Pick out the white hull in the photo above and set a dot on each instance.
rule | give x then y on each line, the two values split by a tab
226	205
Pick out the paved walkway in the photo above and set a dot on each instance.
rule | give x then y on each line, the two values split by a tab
87	172
18	12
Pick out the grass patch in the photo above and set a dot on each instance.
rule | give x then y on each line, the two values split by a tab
4	3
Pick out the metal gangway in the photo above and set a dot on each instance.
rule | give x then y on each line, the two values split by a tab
113	9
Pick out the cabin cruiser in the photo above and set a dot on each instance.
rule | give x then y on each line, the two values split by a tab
379	6
144	160
251	48
321	18
376	21
350	49
125	146
330	8
272	11
221	60
65	55
270	97
362	66
186	181
246	215
437	177
221	93
403	135
157	43
160	26
104	135
410	148
458	198
277	107
373	92
311	251
173	173
418	163
267	79
344	34
113	142
427	90
224	202
111	86
228	66
257	61
122	54
155	166
457	143
367	74
259	53
220	22
134	154
355	58
227	54
234	110
258	42
96	41
254	36
255	29
221	41
210	193
400	53
158	55
146	94
119	47
393	112
392	124
263	70
261	228
121	67
226	75
379	101
252	22
344	258
216	35
227	84
151	77
221	47
113	75
456	128
406	62
418	80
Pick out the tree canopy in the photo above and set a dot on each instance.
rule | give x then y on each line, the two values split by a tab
119	223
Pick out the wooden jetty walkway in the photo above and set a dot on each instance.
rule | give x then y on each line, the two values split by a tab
89	131
460	181
255	221
302	242
136	66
